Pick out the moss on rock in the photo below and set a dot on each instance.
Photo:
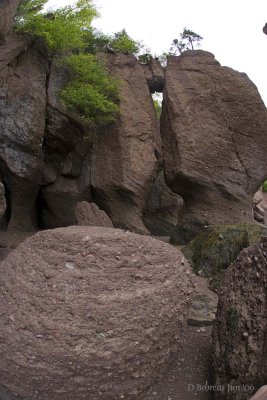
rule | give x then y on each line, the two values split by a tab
212	251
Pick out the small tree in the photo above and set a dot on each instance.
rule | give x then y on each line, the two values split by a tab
188	39
122	42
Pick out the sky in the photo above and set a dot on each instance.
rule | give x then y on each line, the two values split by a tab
232	29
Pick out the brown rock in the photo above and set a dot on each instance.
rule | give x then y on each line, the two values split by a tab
124	162
239	336
214	134
154	75
22	126
8	10
163	208
67	159
2	201
90	313
58	200
89	214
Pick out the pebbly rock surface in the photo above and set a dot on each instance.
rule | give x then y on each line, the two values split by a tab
89	214
240	335
214	138
125	160
90	313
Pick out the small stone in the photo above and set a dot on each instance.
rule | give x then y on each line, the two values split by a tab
245	335
220	236
70	265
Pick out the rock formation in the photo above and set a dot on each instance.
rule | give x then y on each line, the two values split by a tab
125	159
90	313
154	73
22	125
8	10
89	214
163	208
260	206
240	335
2	203
214	137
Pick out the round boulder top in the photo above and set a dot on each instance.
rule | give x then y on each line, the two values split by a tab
90	313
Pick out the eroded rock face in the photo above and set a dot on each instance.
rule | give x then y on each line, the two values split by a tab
154	75
67	159
124	162
89	214
2	203
240	335
90	313
22	126
163	209
214	136
8	10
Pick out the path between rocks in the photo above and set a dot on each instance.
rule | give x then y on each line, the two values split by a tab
191	369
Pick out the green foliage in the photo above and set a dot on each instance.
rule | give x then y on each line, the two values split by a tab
145	58
91	95
158	108
214	249
264	187
122	42
163	59
63	30
188	39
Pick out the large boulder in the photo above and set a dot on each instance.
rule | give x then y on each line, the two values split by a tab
214	138
125	158
90	313
240	332
22	126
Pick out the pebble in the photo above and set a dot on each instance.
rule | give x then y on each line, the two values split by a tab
70	265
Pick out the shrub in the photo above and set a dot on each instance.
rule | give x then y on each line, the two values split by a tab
122	42
65	29
91	95
264	187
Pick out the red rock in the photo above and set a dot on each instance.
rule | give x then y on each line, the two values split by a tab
239	334
89	214
214	136
90	313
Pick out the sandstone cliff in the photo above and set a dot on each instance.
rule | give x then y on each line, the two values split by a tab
210	145
214	136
